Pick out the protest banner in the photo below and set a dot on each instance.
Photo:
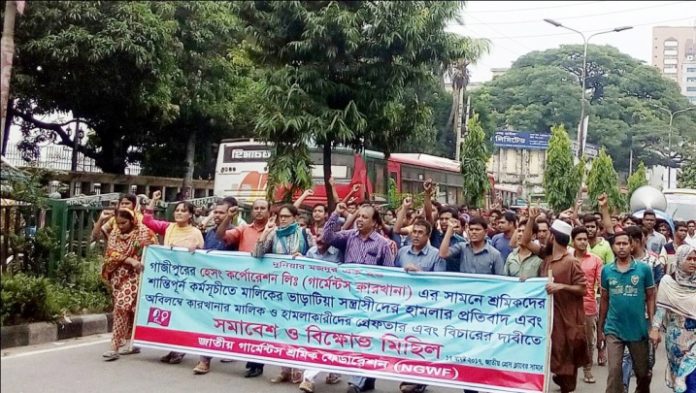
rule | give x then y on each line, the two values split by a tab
465	331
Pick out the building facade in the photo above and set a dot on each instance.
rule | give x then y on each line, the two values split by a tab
673	49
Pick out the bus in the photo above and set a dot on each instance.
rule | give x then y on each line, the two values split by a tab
681	203
242	172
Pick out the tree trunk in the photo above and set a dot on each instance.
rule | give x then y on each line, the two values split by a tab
190	161
8	48
9	118
326	151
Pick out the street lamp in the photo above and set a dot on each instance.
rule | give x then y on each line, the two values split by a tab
669	137
582	136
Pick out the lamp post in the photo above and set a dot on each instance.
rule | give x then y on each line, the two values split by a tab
669	137
582	134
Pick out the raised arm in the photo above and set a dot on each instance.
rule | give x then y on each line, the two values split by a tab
302	198
427	202
332	233
334	191
149	220
401	215
222	231
528	234
349	195
445	251
606	216
98	229
265	242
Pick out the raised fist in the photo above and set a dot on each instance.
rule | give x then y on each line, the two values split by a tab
232	211
428	186
603	200
408	202
157	195
341	208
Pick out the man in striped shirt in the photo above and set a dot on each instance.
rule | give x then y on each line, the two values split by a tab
361	245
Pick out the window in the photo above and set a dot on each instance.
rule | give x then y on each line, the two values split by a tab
671	43
669	70
691	88
670	52
690	79
691	69
670	61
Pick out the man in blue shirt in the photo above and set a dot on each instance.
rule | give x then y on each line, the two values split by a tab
420	255
628	293
211	242
475	256
501	241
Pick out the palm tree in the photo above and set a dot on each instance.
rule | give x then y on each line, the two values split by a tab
458	72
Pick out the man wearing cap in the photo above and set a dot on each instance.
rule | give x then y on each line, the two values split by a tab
568	341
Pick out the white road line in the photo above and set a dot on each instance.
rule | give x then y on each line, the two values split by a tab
39	352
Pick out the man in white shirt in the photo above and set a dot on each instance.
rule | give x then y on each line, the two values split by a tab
691	236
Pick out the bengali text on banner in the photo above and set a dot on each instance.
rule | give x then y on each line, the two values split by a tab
455	330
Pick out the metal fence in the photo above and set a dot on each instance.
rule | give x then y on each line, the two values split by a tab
36	239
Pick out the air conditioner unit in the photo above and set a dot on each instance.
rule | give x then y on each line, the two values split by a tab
690	57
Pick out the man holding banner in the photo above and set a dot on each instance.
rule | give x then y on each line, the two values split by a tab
362	245
568	342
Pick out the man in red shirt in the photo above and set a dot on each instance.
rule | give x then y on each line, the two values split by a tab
592	267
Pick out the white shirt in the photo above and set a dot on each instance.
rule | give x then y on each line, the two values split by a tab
691	240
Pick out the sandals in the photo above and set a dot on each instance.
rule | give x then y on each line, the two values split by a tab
602	358
172	358
588	378
201	368
297	376
333	379
283	377
110	356
129	351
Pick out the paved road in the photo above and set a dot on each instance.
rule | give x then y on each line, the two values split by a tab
75	366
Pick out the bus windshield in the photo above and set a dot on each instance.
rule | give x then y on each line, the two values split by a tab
681	206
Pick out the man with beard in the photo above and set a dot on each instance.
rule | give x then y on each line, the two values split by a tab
245	237
542	231
568	343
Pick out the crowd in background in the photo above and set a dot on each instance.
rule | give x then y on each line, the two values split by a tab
620	284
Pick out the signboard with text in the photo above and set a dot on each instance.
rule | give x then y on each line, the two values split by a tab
532	141
465	331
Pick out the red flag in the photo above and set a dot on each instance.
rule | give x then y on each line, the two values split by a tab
20	6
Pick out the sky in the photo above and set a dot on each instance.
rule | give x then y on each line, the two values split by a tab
516	28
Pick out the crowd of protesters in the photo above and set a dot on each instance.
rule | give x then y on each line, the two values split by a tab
620	284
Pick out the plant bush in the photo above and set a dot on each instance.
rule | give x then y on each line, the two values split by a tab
77	289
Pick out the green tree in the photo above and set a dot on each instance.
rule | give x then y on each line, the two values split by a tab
474	158
637	179
604	179
687	176
137	76
542	89
345	72
560	185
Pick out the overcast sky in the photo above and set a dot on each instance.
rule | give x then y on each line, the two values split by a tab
516	28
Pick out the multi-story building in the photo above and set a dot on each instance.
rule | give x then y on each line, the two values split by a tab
688	83
672	49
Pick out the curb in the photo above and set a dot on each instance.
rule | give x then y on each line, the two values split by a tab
46	332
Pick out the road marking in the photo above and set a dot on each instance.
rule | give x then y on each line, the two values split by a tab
41	351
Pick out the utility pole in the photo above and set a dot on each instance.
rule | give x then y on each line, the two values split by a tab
458	123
